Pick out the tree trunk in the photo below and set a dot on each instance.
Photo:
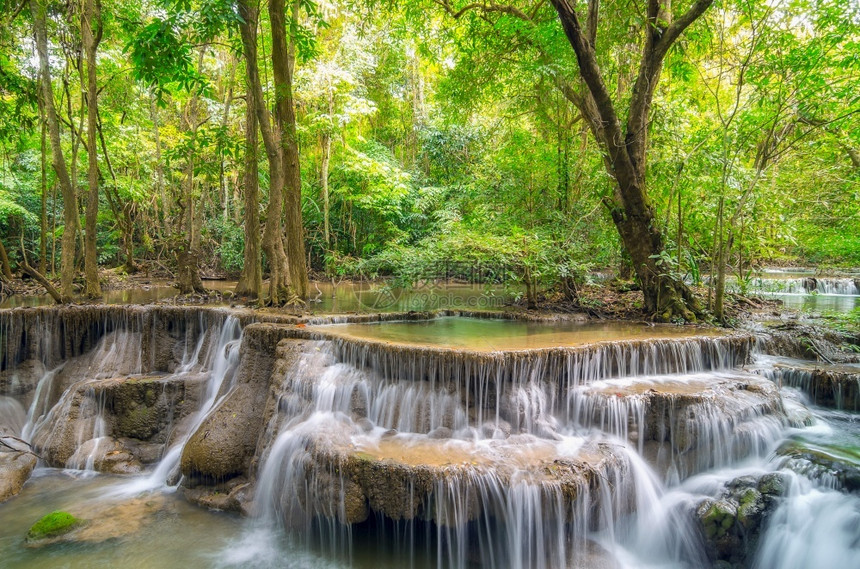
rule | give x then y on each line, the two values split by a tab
283	63
159	171
272	242
40	278
224	192
91	32
666	296
5	267
70	206
325	147
281	289
251	280
188	257
187	274
43	217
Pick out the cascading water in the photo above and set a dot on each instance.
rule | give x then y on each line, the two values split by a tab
490	461
661	452
69	417
218	363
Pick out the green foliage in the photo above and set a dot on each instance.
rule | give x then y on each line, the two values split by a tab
450	140
229	241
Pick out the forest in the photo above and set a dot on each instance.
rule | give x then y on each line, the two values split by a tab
678	144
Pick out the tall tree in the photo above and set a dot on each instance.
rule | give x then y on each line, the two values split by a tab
91	34
38	10
285	250
625	146
251	280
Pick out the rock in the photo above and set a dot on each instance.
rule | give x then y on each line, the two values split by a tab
717	518
440	433
230	498
731	522
107	455
101	521
141	408
224	444
21	380
773	485
146	407
15	469
12	416
347	475
685	423
834	386
831	464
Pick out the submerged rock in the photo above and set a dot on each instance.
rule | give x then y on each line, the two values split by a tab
232	496
97	522
833	466
15	469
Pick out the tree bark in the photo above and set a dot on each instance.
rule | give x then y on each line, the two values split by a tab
283	64
281	289
325	151
43	217
666	296
91	33
188	257
40	278
70	206
251	280
5	267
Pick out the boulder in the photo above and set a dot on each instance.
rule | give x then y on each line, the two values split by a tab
15	469
731	522
225	443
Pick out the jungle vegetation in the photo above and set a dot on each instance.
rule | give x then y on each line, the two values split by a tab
272	140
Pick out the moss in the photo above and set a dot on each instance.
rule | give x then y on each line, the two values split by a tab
52	525
140	422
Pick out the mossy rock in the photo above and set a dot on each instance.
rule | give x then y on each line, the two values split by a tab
53	525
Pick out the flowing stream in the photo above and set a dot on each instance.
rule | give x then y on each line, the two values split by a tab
453	442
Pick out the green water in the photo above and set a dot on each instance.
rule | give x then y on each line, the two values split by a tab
487	334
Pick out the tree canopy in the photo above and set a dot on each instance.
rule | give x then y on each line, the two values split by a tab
273	140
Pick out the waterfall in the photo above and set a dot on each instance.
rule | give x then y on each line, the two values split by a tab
814	526
362	452
71	413
466	474
216	354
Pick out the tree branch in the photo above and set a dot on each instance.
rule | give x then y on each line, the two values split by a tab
590	73
487	8
39	277
674	31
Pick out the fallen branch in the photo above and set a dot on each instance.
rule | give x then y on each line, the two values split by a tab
29	448
40	278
